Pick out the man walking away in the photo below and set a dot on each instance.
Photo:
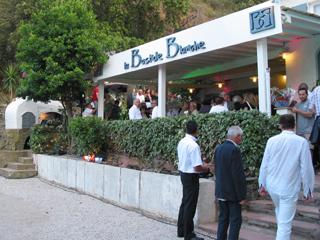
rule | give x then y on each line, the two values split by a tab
190	165
230	184
286	163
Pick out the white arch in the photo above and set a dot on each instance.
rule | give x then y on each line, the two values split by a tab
15	110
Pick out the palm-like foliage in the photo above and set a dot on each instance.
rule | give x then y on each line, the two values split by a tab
11	79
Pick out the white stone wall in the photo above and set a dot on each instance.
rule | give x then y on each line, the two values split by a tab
156	194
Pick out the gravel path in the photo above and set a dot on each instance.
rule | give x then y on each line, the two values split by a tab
31	209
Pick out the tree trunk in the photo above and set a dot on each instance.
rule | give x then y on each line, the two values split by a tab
69	112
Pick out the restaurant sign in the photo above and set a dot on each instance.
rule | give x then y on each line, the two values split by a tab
262	20
174	49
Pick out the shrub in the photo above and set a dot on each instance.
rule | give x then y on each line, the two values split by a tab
158	138
50	139
88	134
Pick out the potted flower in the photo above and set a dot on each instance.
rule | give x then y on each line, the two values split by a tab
282	99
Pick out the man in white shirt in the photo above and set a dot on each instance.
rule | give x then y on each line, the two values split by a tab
155	112
89	110
286	164
134	111
219	106
190	165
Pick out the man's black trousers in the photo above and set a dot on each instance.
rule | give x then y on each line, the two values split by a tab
229	214
190	183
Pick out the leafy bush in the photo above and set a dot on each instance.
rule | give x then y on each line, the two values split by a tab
89	135
50	139
158	138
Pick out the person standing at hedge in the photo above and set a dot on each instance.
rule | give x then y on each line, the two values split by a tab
155	111
231	188
305	116
286	164
134	111
190	165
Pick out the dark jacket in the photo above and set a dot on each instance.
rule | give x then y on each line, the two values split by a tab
315	133
229	172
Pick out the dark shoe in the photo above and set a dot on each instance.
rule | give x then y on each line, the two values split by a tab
197	238
180	235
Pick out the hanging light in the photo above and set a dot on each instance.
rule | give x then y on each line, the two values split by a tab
220	85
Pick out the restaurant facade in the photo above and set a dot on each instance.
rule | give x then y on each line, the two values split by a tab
276	43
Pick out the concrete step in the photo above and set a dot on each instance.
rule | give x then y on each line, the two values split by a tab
21	166
299	228
26	160
314	202
17	174
303	213
246	232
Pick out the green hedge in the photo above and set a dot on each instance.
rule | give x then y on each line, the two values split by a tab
49	139
158	138
89	135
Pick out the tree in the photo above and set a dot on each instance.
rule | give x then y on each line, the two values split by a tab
12	13
11	79
57	47
141	19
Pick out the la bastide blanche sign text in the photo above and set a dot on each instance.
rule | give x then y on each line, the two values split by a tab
173	50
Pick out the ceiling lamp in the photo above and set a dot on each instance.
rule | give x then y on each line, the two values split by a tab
191	90
285	55
220	85
254	79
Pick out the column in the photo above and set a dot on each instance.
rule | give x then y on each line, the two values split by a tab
263	77
162	85
101	99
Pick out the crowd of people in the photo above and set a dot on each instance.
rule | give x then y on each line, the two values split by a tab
146	102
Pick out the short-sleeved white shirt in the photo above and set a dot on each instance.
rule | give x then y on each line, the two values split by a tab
189	154
155	112
134	113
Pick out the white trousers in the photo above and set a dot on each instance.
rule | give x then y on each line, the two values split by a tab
285	208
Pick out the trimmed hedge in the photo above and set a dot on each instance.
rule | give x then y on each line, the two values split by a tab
158	138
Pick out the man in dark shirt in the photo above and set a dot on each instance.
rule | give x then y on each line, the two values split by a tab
230	184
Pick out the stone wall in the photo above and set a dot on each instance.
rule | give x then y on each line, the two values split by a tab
16	138
2	127
12	139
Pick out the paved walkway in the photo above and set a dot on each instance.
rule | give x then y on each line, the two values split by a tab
31	209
